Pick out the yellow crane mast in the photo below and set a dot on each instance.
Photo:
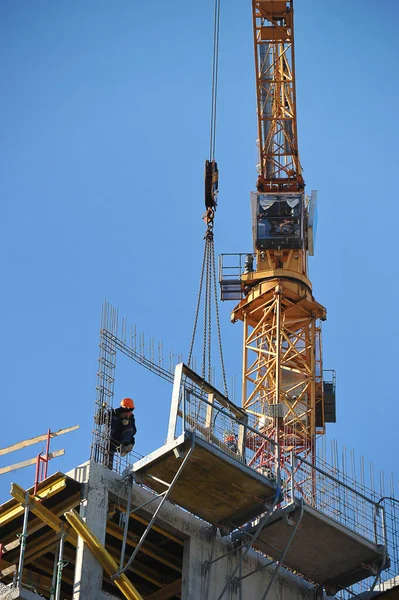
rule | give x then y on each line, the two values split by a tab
282	382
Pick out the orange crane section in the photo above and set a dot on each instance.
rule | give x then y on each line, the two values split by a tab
282	374
273	25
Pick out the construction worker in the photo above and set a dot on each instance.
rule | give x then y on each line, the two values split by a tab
231	441
122	429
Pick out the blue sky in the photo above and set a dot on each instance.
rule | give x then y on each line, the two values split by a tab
105	129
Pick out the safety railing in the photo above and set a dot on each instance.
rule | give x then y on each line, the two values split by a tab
198	407
336	499
231	267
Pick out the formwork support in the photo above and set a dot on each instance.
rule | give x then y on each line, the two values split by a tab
24	535
164	498
60	565
101	554
42	512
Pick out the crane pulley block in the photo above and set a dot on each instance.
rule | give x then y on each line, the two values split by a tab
211	183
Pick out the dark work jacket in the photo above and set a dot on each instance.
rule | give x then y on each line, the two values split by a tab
123	434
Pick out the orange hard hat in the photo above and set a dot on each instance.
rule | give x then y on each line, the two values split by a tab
127	403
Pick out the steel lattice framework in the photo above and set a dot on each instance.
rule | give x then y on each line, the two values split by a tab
279	166
282	386
282	365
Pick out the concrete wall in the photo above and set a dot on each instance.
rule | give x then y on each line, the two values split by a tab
201	581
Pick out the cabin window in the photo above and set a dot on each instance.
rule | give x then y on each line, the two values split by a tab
279	221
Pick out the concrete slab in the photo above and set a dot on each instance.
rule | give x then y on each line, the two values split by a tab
322	550
212	485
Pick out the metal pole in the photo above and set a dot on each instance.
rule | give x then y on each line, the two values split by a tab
45	466
278	458
292	475
54	578
60	566
23	537
126	527
37	473
244	362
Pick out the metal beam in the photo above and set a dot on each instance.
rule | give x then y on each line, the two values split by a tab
104	558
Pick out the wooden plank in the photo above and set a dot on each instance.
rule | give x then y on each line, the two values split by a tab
35	440
147	548
28	463
11	541
172	537
167	592
47	491
44	513
47	565
34	547
101	554
138	568
31	577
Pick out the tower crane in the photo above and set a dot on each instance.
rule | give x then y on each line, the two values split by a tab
282	372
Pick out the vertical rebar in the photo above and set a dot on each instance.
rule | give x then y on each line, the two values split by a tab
22	538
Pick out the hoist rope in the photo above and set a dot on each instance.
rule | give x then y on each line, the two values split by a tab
215	73
190	354
208	270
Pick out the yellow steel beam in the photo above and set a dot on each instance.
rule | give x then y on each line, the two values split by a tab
11	541
43	513
35	440
28	463
46	492
104	558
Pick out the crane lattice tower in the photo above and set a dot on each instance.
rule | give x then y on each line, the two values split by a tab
282	355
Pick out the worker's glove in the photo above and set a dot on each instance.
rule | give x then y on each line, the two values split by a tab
126	449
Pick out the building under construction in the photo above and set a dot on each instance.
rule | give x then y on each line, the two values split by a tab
242	501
